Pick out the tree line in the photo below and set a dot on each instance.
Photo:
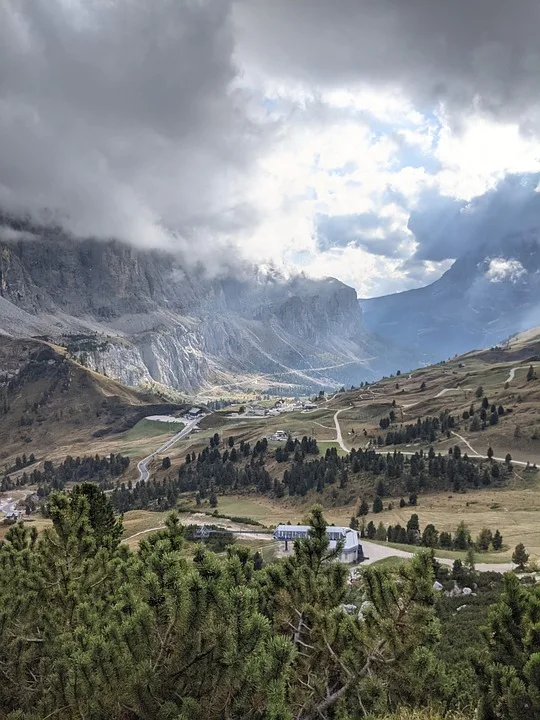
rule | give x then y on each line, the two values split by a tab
430	537
103	470
235	468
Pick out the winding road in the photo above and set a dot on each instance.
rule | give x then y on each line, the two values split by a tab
8	506
512	373
142	465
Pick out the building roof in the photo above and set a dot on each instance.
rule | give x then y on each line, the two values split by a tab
351	537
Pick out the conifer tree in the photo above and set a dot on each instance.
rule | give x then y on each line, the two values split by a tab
510	677
497	540
520	556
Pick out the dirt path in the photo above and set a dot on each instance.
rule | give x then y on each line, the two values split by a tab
512	374
338	431
475	453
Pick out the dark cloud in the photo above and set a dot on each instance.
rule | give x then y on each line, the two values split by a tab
470	54
122	118
448	228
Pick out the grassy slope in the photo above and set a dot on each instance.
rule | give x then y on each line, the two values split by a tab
63	403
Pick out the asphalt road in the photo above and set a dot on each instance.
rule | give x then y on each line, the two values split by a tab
375	552
142	465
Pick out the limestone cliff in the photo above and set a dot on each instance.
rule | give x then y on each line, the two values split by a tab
141	317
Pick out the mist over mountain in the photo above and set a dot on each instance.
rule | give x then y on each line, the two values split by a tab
490	292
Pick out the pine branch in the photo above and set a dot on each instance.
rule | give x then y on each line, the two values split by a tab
195	660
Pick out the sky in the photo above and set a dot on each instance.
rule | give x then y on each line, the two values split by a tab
337	138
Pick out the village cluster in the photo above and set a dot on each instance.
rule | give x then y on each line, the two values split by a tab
280	407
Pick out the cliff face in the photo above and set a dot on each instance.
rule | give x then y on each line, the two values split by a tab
140	317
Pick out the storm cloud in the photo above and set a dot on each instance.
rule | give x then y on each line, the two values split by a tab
471	56
122	119
448	228
319	131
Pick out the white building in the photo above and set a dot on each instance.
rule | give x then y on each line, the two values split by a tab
280	435
352	549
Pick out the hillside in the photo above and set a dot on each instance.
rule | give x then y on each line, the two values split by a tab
52	406
452	387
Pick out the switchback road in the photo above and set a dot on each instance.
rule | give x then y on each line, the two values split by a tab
142	465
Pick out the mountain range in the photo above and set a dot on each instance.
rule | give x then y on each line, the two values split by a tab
142	318
146	319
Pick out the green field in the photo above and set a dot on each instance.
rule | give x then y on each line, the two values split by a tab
324	446
390	563
148	428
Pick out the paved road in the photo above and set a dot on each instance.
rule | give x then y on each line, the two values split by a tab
142	465
377	552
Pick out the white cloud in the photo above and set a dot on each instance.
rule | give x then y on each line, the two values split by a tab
502	269
473	160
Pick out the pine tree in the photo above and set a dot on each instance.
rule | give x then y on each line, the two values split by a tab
497	540
520	556
377	504
462	537
430	536
484	540
364	508
107	528
510	677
